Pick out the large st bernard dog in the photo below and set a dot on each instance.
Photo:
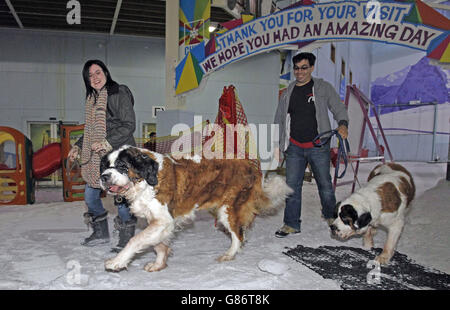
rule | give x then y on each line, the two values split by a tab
383	201
166	192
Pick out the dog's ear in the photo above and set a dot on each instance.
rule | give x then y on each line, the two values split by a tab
363	220
348	215
149	170
104	163
143	165
336	209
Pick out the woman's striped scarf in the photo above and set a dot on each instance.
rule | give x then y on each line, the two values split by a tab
94	131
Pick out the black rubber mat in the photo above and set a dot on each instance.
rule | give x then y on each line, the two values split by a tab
354	269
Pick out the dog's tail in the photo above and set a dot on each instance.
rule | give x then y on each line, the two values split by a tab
378	170
275	192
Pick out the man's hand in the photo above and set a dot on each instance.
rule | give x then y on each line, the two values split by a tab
343	131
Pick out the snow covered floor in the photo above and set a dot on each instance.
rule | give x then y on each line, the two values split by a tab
40	246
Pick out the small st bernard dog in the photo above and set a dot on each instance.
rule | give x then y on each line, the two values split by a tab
383	201
166	191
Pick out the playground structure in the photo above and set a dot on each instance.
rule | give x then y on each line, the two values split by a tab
20	167
73	184
16	177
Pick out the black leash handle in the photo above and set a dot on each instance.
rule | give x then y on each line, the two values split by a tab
343	150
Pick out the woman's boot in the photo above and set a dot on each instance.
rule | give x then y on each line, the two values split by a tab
99	225
126	232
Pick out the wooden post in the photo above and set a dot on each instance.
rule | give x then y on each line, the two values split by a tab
171	53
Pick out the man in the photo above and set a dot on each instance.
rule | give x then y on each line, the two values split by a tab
302	114
151	143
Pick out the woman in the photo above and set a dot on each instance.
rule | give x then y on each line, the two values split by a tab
110	123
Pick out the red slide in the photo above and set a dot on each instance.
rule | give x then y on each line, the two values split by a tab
46	160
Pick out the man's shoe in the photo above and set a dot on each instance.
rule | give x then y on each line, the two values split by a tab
286	230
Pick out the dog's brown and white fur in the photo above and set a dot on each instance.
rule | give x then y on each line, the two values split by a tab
166	191
383	201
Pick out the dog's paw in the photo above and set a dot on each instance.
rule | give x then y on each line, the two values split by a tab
114	265
225	258
152	267
383	258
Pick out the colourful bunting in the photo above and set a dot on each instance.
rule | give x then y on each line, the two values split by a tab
194	21
439	48
188	74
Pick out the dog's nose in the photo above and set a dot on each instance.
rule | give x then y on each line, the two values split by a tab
105	177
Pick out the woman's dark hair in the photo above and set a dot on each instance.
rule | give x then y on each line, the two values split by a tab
87	82
309	56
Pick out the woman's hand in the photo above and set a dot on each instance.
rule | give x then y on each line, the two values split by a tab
98	147
101	147
73	153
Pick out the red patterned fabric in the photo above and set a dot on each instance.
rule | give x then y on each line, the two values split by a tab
232	112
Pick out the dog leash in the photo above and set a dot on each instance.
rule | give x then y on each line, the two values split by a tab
343	150
77	164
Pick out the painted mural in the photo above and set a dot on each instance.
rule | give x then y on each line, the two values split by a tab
413	104
413	85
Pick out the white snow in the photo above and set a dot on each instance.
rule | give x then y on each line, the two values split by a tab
273	267
40	246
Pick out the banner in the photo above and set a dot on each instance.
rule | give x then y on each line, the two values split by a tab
401	23
194	24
